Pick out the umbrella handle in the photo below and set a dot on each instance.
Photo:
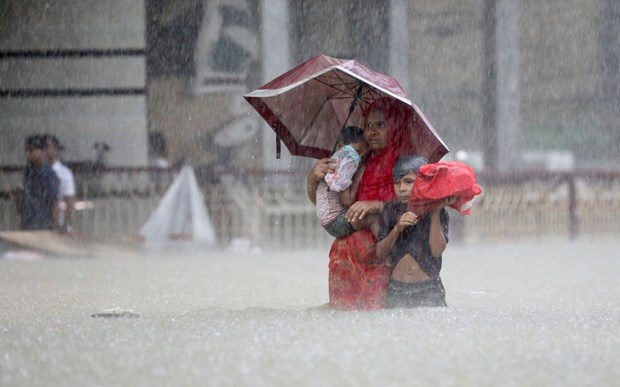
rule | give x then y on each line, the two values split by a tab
356	98
278	147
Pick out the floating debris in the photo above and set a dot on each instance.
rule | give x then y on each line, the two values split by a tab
116	313
23	255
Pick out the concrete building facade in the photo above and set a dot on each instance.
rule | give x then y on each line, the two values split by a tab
178	68
75	69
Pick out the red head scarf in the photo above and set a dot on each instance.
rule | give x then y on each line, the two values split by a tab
376	183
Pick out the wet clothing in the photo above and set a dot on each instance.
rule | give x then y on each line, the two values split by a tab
41	190
357	278
65	189
413	240
328	205
329	209
348	161
416	294
65	177
340	226
376	182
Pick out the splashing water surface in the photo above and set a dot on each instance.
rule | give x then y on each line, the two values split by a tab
536	313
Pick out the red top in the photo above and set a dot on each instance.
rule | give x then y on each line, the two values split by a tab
376	183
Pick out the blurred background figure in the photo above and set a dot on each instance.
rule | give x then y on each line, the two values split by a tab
37	202
158	158
158	150
66	194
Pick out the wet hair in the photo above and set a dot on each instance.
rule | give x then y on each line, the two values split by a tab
36	141
348	135
407	164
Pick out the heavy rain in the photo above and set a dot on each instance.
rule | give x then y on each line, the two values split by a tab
187	250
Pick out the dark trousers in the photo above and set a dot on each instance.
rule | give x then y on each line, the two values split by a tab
416	294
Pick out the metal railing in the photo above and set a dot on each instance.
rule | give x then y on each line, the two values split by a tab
534	204
270	209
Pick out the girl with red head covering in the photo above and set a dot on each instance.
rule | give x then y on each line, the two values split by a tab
357	278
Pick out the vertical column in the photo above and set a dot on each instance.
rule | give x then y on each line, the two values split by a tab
501	102
276	60
489	79
508	82
610	64
399	42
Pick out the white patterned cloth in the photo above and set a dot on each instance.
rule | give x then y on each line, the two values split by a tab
348	161
328	205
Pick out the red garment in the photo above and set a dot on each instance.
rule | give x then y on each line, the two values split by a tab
435	182
357	279
376	183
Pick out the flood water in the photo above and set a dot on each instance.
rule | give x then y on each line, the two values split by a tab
541	313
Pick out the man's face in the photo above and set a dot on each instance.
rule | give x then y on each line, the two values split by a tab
36	156
376	130
403	186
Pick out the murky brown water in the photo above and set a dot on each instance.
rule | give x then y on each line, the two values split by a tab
541	313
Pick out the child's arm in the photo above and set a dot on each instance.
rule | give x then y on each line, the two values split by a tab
385	245
436	238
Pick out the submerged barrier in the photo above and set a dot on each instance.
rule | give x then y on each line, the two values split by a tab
270	210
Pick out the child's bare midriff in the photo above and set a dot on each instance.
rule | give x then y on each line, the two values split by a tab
409	270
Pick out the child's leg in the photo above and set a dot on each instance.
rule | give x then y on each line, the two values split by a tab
339	227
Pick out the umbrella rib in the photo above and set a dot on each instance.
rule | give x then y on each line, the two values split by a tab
347	84
369	95
306	131
345	90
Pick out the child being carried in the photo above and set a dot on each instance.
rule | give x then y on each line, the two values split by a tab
337	191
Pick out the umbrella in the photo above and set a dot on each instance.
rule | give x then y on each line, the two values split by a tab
309	104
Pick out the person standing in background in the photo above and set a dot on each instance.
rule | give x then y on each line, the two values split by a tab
66	194
37	203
